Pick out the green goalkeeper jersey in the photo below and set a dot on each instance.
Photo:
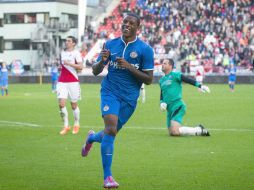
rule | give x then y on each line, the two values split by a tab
171	87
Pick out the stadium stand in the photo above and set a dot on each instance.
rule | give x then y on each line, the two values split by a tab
215	32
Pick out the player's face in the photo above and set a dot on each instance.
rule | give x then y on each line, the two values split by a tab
129	26
166	66
69	43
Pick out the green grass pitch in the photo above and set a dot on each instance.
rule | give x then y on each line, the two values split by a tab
33	156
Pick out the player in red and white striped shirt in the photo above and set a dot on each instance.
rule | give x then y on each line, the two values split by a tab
68	84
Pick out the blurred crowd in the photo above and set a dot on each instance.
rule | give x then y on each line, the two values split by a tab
216	33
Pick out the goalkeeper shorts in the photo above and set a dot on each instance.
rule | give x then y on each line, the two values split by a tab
176	112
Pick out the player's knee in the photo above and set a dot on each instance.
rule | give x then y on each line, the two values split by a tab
174	132
74	106
111	131
61	105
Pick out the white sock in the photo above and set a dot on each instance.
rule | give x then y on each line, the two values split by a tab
190	130
143	94
76	114
64	115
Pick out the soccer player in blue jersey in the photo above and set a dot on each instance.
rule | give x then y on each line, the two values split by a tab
4	79
232	77
130	63
54	76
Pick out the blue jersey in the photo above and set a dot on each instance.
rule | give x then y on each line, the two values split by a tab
4	77
4	73
232	74
54	73
120	81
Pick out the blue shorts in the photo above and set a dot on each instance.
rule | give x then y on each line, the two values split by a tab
110	104
54	77
4	82
231	78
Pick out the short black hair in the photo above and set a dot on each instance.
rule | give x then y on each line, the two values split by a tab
74	40
171	62
134	15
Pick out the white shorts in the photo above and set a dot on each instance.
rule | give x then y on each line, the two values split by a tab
69	90
199	79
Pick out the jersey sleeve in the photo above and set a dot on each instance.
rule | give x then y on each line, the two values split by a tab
148	59
190	81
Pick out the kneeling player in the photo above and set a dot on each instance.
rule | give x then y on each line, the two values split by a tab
171	100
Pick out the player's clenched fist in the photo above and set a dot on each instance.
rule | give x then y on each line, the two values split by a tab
105	53
122	62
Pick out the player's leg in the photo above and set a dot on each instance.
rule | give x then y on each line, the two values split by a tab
233	83
230	85
2	90
176	128
6	87
110	106
76	115
53	85
125	112
2	86
233	86
75	95
107	144
6	90
64	116
62	95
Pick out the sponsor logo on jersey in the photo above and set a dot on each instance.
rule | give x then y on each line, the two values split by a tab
116	66
167	82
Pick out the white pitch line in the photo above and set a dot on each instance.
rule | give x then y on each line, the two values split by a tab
14	123
161	128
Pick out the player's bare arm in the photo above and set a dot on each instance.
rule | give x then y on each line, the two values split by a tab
99	66
78	65
144	76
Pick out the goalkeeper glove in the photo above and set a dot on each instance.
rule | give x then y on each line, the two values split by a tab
163	106
205	89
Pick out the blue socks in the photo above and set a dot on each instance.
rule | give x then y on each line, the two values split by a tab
97	137
107	149
2	92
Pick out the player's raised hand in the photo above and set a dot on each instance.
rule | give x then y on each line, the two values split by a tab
122	62
205	89
105	53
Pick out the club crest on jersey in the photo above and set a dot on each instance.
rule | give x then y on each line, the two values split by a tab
133	54
106	108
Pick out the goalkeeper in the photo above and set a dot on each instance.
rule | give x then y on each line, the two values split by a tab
171	100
